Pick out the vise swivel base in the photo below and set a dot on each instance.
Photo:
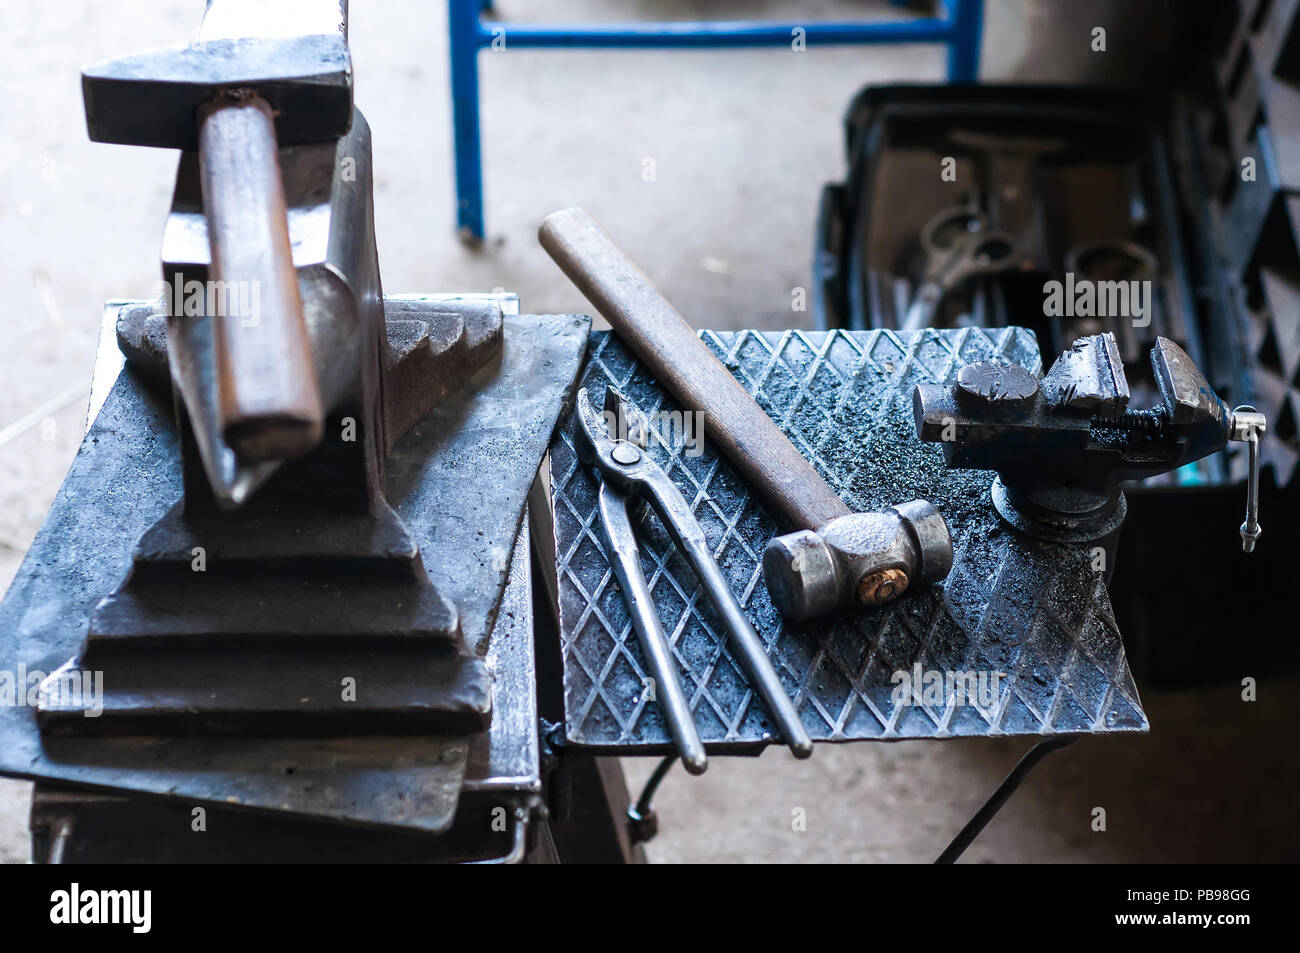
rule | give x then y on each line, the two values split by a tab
1062	445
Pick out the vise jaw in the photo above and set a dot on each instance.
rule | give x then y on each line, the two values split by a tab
1061	446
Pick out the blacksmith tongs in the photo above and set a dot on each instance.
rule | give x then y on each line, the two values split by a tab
628	472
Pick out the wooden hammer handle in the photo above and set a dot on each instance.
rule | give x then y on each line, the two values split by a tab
665	343
267	394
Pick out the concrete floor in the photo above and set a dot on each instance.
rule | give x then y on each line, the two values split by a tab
741	142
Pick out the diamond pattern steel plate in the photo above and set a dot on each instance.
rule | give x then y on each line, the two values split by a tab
1035	612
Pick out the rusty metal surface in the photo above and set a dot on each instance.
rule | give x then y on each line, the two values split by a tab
458	480
1035	611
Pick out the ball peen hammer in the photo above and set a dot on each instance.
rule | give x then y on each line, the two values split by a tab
836	558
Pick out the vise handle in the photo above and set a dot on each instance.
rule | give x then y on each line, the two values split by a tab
268	398
663	341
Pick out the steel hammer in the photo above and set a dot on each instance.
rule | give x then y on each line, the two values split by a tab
836	558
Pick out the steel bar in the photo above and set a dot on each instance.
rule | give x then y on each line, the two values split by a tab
620	544
270	405
998	798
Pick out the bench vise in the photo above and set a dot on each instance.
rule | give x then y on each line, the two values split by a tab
1062	445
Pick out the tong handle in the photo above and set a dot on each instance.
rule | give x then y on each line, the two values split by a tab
686	531
620	545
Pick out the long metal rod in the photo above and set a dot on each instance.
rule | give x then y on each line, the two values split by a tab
620	544
1000	797
643	824
744	641
960	28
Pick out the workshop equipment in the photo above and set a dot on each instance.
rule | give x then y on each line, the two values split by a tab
836	558
1149	190
626	472
342	636
1036	613
458	480
1062	445
1056	168
260	354
619	540
316	539
254	71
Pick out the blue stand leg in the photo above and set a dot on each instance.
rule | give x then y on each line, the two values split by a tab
465	38
967	18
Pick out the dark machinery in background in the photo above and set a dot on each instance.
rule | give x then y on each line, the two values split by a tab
962	204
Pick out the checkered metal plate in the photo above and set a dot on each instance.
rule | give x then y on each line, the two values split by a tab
1036	613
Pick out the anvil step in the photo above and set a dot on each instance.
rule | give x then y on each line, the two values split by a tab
285	542
270	693
305	613
259	576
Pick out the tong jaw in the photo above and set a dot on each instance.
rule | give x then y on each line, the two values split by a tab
620	461
627	470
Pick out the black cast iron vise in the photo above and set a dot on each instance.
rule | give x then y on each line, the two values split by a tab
1062	445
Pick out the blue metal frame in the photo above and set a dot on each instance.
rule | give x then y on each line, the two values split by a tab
960	28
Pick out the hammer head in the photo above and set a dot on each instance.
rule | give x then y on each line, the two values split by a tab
859	559
297	61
